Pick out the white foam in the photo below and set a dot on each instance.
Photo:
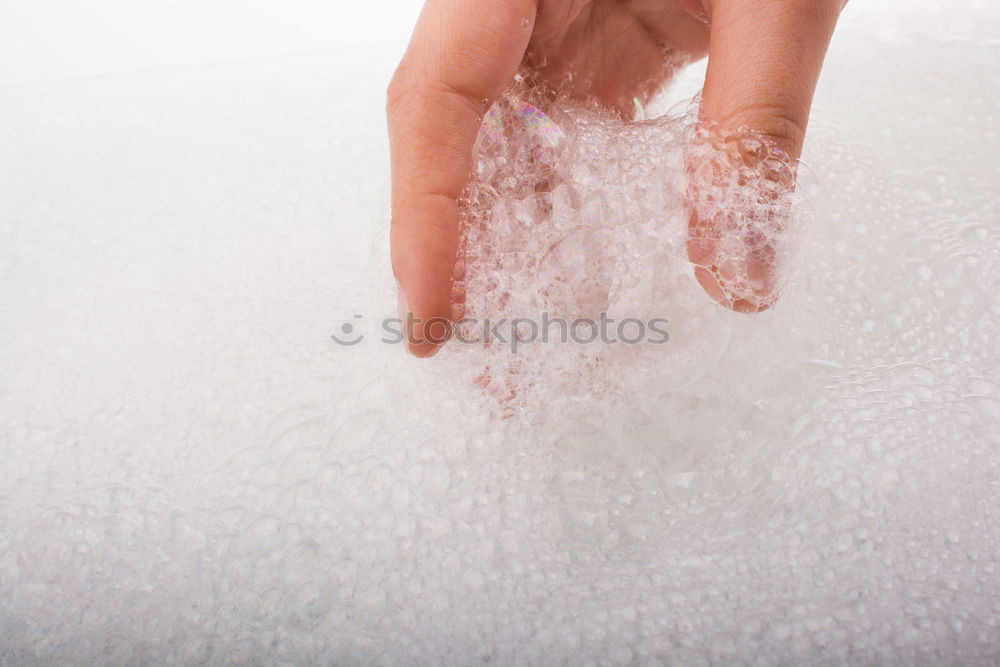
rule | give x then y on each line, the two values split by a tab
576	238
192	472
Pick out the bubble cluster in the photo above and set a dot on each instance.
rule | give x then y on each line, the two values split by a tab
577	215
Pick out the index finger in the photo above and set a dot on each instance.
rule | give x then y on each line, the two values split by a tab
462	55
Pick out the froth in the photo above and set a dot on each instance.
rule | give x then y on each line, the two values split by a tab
607	243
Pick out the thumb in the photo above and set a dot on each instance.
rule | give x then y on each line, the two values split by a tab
764	60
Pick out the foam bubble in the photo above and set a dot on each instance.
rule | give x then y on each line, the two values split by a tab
583	227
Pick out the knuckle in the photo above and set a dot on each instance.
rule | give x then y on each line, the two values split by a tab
399	86
392	89
774	122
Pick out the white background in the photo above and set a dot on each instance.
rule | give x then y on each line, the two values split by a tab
51	40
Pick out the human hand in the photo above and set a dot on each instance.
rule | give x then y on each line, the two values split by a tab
764	59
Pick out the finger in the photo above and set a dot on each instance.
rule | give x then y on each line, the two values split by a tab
764	61
763	64
462	55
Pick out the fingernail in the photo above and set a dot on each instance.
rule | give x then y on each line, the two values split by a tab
403	307
696	8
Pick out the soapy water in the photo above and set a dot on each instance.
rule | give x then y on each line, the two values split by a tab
193	474
576	215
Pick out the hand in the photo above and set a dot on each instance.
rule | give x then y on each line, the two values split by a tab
764	59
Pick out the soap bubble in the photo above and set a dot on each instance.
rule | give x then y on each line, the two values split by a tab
575	213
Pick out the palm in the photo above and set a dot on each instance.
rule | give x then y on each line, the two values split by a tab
613	50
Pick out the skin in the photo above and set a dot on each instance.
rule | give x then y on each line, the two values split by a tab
764	58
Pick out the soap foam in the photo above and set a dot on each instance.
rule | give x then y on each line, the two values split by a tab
577	215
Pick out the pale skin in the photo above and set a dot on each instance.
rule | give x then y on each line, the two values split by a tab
764	58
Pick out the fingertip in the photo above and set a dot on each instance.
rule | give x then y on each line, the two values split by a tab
423	350
425	330
738	300
427	335
744	283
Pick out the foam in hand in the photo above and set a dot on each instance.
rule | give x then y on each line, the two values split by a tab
573	213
